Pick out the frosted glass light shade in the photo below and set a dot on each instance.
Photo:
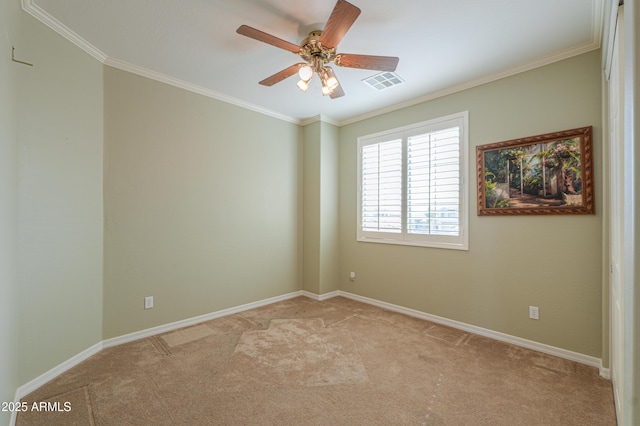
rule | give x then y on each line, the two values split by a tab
303	85
305	72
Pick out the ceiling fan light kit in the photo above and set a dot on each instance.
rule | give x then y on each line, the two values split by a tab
303	85
319	49
305	72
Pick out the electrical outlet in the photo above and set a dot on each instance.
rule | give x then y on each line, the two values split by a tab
352	276
533	312
148	302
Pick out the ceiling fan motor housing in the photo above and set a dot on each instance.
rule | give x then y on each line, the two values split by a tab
312	50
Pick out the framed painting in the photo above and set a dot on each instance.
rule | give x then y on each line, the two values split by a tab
537	175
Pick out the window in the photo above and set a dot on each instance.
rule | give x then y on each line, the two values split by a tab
411	184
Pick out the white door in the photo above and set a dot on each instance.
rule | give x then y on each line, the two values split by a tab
616	188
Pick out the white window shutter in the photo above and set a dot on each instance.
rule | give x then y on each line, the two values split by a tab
411	186
433	183
382	187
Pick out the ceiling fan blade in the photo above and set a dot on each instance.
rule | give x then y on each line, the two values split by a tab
337	93
279	76
267	38
343	16
368	62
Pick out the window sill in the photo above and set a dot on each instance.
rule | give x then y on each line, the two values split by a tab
429	244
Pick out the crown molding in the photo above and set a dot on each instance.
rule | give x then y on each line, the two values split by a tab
597	26
57	26
320	118
575	51
163	78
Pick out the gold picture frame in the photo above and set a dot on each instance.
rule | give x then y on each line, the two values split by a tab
537	175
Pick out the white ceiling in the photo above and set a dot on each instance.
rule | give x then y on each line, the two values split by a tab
443	45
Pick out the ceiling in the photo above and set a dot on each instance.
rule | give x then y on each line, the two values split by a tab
443	46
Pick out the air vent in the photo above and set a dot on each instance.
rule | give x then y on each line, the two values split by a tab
384	80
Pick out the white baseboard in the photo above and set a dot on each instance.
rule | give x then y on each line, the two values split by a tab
44	378
75	360
320	297
616	398
34	384
14	414
496	335
115	341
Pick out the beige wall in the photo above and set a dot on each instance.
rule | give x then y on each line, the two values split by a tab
312	140
329	208
9	15
60	200
320	201
202	204
513	262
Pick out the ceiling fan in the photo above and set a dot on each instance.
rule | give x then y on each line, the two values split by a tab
319	49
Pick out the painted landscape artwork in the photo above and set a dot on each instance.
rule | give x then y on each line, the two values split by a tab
546	174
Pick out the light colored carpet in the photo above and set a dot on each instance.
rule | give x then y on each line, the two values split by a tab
292	353
336	362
